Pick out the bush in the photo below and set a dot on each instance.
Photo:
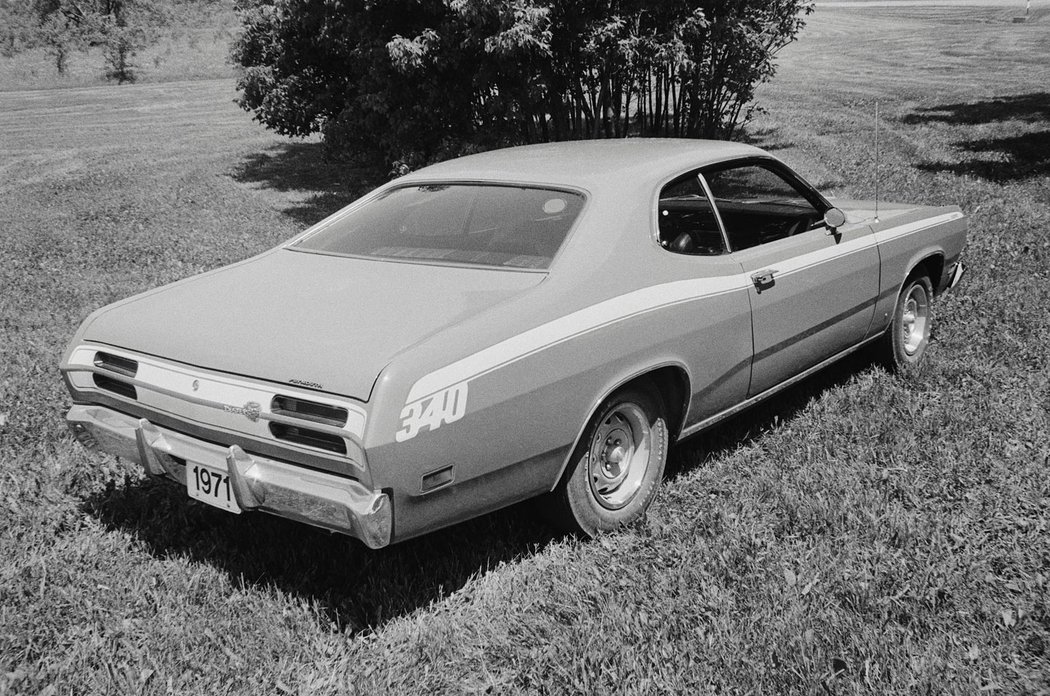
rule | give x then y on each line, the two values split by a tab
419	80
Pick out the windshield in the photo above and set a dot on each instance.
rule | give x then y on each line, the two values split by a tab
486	225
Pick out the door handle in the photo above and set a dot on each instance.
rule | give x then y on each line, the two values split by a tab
763	278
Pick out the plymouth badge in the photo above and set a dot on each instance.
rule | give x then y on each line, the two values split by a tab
250	410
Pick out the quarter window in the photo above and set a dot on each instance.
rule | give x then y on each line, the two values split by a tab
758	205
688	224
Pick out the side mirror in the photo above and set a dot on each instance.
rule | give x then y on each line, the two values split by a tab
834	219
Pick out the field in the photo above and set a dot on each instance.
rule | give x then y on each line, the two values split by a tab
863	533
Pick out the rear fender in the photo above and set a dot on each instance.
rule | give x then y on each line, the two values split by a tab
677	368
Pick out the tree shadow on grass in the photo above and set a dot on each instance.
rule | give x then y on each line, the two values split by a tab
325	185
1030	108
1011	156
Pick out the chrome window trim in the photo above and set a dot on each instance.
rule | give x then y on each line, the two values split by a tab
718	215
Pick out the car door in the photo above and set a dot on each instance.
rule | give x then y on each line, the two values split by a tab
812	291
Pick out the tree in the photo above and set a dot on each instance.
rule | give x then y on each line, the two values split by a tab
419	80
64	27
52	24
125	28
120	27
17	28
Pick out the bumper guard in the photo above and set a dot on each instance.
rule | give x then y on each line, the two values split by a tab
334	503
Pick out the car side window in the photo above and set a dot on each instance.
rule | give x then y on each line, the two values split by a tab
758	205
688	224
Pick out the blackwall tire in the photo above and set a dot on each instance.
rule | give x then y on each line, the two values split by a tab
618	465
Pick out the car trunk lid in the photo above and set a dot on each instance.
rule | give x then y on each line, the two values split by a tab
291	316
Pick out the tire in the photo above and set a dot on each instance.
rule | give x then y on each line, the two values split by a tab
908	335
617	467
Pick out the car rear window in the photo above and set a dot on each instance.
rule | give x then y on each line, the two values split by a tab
503	226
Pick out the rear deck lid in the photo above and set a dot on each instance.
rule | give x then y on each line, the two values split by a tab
332	322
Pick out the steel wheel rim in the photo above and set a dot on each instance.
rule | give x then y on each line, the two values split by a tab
619	455
915	319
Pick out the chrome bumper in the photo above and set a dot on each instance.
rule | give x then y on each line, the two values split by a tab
339	504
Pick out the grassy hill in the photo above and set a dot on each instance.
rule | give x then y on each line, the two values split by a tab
862	533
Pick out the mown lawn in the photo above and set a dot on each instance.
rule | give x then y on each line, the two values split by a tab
863	533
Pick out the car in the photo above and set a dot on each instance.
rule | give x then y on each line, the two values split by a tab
542	321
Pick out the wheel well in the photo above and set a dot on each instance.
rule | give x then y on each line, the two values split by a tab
673	384
932	266
670	381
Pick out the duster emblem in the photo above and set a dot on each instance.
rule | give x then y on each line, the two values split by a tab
250	410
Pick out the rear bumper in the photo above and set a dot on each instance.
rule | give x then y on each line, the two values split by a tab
323	500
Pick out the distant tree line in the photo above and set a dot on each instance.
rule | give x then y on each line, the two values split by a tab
121	28
419	80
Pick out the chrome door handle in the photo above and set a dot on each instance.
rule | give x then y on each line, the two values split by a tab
763	278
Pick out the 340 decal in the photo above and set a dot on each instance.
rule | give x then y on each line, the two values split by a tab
432	412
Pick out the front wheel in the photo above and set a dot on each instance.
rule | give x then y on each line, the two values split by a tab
616	469
909	332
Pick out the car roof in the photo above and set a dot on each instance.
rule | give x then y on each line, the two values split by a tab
587	163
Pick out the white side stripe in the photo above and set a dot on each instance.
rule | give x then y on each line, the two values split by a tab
570	325
894	232
628	305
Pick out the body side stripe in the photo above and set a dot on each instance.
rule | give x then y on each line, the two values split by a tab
917	226
806	261
577	323
803	262
632	304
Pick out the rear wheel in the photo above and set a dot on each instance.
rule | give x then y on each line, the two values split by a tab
908	336
617	467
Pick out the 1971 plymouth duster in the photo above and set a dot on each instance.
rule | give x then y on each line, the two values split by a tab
536	321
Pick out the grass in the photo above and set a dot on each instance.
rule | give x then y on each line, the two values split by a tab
863	533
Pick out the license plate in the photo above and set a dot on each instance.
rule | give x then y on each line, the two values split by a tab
210	486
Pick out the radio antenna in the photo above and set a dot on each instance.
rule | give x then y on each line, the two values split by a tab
876	160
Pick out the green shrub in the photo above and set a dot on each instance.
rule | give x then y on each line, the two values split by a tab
419	80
